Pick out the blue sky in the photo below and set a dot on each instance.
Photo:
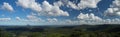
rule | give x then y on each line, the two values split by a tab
59	12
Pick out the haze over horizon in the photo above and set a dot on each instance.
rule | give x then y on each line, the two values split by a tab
59	12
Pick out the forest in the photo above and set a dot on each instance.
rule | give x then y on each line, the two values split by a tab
106	30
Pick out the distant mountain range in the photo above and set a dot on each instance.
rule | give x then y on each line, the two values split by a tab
104	27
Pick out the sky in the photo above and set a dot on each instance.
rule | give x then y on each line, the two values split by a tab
59	12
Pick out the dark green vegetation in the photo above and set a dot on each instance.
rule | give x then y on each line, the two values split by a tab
62	31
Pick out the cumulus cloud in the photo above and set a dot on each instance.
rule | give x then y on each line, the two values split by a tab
7	6
66	3
82	4
33	18
114	9
43	9
32	4
58	3
72	5
53	20
88	3
5	19
29	18
52	10
88	17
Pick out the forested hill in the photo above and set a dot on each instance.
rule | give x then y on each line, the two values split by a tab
106	30
104	27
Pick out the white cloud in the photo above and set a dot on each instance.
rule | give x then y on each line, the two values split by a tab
90	22
33	18
112	12
66	3
5	19
58	3
18	18
82	4
111	21
116	3
72	5
7	6
52	10
32	4
114	9
43	9
88	17
53	20
29	18
88	3
46	6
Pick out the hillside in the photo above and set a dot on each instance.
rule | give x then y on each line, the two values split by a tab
105	30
